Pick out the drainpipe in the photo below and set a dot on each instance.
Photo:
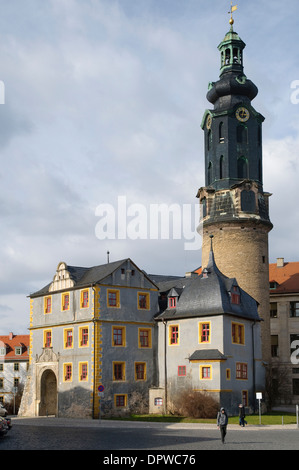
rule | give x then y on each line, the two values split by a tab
253	365
165	363
94	351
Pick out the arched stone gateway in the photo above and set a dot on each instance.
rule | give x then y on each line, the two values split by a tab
48	391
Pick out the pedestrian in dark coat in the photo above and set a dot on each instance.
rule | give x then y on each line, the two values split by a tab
222	421
242	415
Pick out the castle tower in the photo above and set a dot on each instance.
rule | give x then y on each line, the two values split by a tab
234	207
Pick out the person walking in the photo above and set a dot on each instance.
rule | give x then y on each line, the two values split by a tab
242	415
222	421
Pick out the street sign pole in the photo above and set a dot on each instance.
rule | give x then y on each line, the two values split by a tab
259	397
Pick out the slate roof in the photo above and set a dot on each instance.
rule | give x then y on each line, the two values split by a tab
207	355
84	277
209	294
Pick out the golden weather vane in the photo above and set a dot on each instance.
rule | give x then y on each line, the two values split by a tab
232	9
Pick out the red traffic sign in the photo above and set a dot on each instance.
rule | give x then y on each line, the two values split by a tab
101	388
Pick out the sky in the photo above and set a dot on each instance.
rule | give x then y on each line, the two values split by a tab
101	103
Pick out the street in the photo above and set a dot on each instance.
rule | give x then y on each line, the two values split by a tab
59	434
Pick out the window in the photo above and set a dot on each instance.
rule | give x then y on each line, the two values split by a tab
119	371
143	301
67	372
294	309
227	374
120	401
83	336
16	382
242	134
158	401
205	372
113	298
273	310
245	397
172	302
295	386
221	137
18	350
47	338
1	367
84	298
274	345
144	338
118	336
1	383
2	351
83	371
65	301
221	167
140	371
174	334
238	336
68	338
16	367
48	305
181	371
241	370
235	295
242	167
204	332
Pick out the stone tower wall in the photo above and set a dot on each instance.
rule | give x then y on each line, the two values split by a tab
241	251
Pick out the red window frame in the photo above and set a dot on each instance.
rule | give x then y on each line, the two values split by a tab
241	370
117	336
69	339
84	338
118	371
174	334
48	338
83	371
181	371
205	333
68	372
140	371
85	299
235	296
66	302
172	302
206	372
120	400
144	338
48	305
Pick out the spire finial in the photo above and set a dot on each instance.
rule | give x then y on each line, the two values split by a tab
211	237
232	9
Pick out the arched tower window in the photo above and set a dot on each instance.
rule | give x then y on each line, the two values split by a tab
209	139
210	171
221	167
221	137
242	167
242	134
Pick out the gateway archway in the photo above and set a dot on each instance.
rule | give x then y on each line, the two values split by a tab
48	394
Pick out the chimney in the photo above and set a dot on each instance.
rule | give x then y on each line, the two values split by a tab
280	262
10	336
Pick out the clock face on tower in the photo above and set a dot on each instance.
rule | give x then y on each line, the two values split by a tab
242	114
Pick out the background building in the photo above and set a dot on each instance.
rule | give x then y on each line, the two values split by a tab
14	359
284	322
91	327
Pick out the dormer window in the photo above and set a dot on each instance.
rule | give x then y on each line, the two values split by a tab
235	295
273	285
172	302
18	350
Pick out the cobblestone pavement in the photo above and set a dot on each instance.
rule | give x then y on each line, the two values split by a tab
74	434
